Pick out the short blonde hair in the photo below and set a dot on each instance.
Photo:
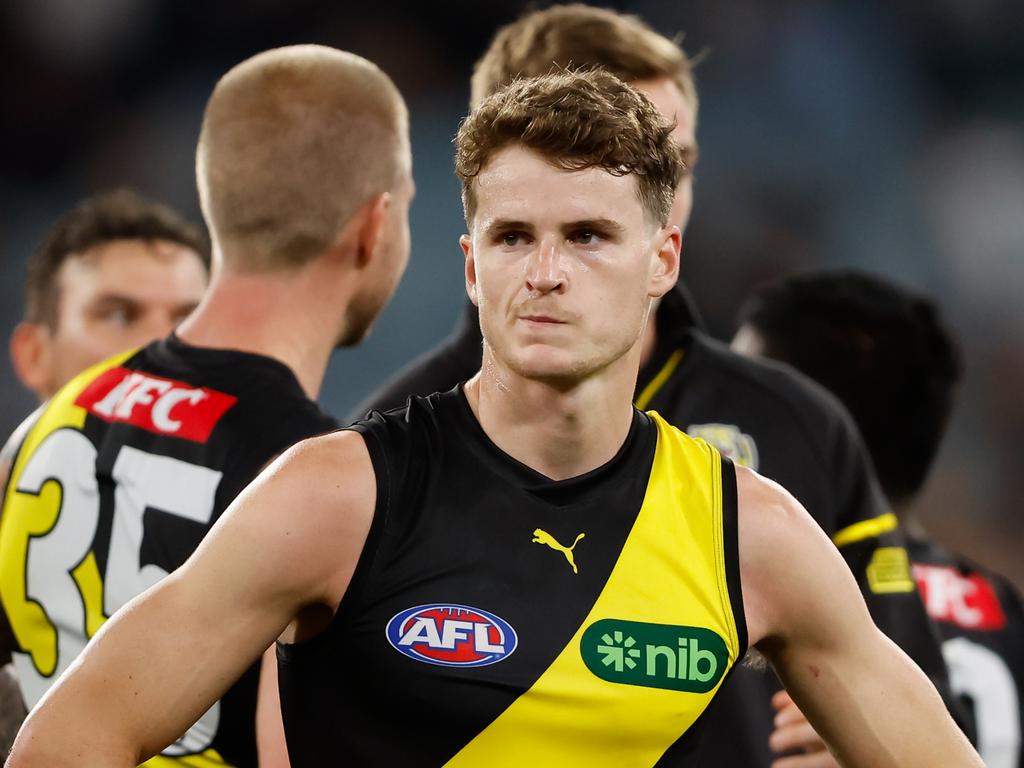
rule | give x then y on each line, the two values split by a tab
294	141
575	120
581	37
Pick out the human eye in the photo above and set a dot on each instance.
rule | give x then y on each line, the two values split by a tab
585	237
120	314
182	312
511	238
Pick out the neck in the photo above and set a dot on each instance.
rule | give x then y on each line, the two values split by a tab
650	337
560	430
286	316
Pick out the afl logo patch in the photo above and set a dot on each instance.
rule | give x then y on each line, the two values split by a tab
451	635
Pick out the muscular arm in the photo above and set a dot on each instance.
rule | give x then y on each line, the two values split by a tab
872	705
288	542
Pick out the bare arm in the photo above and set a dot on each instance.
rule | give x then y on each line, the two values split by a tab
270	740
288	542
870	702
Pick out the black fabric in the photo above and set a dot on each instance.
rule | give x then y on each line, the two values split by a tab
731	540
456	523
271	413
977	613
799	435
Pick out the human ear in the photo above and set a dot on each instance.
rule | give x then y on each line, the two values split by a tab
32	357
466	243
665	270
371	227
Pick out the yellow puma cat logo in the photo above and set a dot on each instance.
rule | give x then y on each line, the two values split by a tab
543	537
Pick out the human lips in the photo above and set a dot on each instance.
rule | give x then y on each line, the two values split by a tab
542	319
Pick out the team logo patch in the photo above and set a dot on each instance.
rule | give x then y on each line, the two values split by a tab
691	659
730	441
889	571
969	601
451	635
156	404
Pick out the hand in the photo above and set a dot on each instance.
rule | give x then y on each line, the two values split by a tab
793	732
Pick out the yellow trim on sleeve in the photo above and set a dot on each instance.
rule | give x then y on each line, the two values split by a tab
866	529
659	381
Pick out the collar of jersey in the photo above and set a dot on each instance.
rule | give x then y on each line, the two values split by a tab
640	440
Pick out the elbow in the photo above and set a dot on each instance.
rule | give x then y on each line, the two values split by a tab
42	743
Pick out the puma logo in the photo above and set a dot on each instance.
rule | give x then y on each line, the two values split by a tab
543	537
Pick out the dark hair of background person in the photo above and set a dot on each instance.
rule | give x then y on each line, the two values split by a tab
576	120
882	349
120	214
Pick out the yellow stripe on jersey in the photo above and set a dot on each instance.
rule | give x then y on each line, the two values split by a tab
28	515
659	380
208	759
671	573
866	529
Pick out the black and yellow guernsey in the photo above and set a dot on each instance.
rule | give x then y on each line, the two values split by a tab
114	484
499	618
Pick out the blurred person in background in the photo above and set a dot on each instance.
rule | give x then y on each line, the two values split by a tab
115	272
304	176
761	416
887	354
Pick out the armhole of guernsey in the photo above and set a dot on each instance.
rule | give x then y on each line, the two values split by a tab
381	513
731	551
369	431
688	458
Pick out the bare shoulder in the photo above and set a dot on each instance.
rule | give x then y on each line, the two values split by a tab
771	521
786	561
323	471
307	514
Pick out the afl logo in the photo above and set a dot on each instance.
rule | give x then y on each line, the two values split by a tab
451	635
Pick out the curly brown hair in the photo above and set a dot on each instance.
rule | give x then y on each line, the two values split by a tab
581	36
575	120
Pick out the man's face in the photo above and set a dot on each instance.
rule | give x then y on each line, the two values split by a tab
563	265
115	296
389	263
666	96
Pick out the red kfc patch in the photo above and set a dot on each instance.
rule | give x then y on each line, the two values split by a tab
153	403
967	601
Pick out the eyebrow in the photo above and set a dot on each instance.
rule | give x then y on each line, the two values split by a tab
113	298
505	225
601	224
105	300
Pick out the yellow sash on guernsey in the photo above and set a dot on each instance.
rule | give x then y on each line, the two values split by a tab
28	516
670	573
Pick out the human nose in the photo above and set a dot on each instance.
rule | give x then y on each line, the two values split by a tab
544	272
154	325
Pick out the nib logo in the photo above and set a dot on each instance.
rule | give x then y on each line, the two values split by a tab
692	659
619	652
